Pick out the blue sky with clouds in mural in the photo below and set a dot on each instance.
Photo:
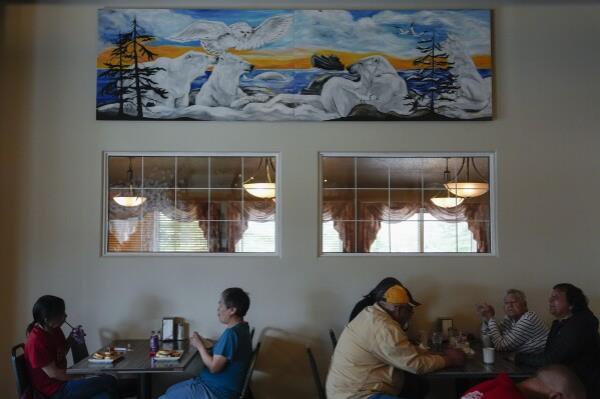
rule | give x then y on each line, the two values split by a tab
388	31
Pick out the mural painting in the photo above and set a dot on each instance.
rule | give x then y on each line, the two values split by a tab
294	65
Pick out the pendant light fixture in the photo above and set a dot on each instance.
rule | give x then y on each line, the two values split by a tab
468	188
261	185
129	200
446	201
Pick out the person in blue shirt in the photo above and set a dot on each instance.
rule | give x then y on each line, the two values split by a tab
224	370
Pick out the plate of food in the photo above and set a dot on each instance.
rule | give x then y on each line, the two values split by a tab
105	357
168	354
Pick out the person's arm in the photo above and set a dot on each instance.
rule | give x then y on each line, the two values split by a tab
42	355
394	348
558	350
485	329
56	372
510	339
214	363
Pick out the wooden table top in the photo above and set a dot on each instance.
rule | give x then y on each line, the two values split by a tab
475	367
138	359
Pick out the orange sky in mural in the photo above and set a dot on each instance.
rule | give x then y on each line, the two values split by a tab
298	59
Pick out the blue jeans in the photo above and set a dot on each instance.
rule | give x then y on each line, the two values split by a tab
100	387
189	389
383	396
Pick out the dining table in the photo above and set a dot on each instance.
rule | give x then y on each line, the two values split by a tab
475	367
136	360
475	370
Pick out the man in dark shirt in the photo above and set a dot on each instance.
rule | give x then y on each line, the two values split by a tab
573	339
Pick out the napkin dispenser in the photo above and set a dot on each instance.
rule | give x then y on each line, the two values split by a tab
170	327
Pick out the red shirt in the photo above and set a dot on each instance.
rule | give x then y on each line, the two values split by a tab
42	348
500	387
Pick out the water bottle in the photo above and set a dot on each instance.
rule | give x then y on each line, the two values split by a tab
153	343
78	334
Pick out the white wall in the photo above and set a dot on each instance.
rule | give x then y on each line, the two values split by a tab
545	134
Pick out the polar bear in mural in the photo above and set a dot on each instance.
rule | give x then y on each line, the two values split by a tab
474	96
222	89
378	85
176	77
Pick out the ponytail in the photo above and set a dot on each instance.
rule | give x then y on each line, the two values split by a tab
370	298
30	327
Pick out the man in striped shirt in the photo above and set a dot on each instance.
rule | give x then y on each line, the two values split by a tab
520	331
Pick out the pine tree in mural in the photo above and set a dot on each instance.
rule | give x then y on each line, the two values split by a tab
434	83
118	72
130	81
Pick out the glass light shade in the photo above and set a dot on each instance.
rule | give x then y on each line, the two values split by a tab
261	190
129	201
447	202
467	189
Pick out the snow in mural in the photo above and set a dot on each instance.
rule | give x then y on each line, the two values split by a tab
310	65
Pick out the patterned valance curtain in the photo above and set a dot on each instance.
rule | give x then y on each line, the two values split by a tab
223	219
370	215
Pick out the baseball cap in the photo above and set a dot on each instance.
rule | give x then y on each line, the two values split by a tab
399	295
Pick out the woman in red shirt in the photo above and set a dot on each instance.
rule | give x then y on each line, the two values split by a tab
45	356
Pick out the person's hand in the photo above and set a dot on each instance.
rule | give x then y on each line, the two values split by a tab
454	357
486	311
196	340
480	308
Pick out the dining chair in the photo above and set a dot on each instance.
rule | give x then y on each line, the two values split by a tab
19	368
24	388
246	391
315	372
333	338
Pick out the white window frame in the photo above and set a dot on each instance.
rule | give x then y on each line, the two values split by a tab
105	188
491	155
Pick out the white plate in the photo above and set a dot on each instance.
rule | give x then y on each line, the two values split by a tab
168	358
104	361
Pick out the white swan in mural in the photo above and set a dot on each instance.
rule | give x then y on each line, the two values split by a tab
217	37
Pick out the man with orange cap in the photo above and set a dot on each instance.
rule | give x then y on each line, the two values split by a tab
373	351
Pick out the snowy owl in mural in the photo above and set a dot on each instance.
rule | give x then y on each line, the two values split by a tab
217	37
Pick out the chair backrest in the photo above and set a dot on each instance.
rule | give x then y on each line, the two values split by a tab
246	393
315	373
19	369
252	334
79	350
332	338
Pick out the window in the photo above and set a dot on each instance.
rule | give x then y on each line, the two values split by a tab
407	203
190	203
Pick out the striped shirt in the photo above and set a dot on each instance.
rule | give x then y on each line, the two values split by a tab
526	335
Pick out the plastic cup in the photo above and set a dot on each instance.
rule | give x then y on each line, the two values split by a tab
488	355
